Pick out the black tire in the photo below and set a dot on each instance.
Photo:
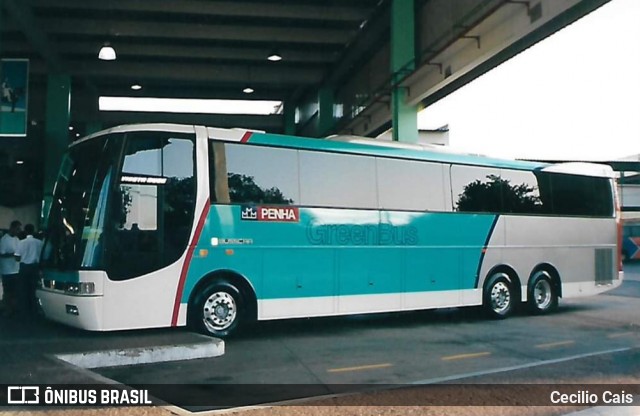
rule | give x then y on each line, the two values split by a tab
542	293
218	310
499	296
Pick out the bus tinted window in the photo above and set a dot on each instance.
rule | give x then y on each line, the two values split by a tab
521	194
253	174
475	189
576	195
80	203
334	180
144	156
409	185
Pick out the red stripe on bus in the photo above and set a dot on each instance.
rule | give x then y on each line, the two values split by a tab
187	262
245	137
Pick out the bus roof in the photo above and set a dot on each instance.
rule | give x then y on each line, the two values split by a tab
383	149
366	146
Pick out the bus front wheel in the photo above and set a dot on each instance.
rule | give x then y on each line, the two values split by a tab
218	309
543	296
499	296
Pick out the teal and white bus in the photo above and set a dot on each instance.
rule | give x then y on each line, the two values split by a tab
169	225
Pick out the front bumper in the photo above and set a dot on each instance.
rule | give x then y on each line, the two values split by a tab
83	312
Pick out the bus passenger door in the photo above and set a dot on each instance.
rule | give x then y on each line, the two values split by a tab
153	204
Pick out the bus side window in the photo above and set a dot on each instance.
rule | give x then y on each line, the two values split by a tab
337	181
520	193
576	195
476	189
238	175
411	185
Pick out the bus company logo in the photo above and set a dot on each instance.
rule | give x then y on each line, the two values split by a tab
249	213
23	395
270	214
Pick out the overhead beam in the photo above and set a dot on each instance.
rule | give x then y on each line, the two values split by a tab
270	123
202	91
505	33
363	46
112	29
191	72
216	8
23	19
163	50
485	41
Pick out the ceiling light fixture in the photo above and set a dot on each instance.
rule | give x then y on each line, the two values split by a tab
107	53
19	162
136	87
248	90
274	57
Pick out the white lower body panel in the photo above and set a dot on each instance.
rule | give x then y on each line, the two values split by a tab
580	289
346	305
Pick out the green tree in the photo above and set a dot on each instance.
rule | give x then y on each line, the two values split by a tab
243	188
498	195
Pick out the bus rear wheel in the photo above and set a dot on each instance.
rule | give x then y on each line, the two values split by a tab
218	309
499	297
543	297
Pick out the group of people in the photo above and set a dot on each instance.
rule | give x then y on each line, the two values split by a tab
19	260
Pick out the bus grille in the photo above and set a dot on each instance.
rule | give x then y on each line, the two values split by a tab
604	266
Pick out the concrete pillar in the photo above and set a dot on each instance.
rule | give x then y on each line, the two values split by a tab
326	121
289	113
1	23
56	133
404	117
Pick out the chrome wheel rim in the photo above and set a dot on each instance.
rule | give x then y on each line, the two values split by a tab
500	297
542	294
219	311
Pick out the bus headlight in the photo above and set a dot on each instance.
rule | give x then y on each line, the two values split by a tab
82	288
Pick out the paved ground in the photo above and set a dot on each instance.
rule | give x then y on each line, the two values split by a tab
326	354
591	340
27	349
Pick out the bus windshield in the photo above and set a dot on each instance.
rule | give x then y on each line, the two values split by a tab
79	208
122	204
